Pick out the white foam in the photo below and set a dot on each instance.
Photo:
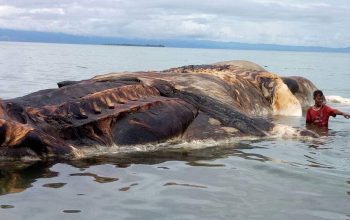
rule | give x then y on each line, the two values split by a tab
100	150
279	131
338	99
285	131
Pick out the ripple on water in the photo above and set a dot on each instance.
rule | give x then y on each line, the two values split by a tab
6	206
71	211
203	164
54	185
324	214
164	168
184	184
124	189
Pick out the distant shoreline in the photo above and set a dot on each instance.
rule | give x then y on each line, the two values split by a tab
136	45
194	46
52	37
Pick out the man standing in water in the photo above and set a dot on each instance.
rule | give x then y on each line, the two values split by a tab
318	115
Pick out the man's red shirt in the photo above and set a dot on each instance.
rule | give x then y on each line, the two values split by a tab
319	117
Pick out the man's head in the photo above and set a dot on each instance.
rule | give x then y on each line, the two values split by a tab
318	97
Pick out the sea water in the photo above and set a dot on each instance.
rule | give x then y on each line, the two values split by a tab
271	178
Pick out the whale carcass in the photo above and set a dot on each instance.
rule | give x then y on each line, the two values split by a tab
196	102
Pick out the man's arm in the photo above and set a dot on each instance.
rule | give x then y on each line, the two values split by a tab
337	112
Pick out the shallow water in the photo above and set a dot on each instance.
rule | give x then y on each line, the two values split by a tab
247	179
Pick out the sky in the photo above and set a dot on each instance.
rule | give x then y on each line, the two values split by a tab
323	23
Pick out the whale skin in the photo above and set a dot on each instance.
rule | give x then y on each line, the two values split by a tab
196	102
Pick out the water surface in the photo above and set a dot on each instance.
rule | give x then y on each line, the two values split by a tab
249	179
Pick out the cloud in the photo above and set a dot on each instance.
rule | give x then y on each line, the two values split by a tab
293	22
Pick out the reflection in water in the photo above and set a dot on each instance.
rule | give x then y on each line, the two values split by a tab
319	143
98	179
14	178
17	179
124	189
202	164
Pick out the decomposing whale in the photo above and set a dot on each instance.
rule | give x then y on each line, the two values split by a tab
196	102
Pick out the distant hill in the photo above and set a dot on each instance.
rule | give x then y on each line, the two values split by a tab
137	45
49	37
